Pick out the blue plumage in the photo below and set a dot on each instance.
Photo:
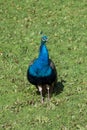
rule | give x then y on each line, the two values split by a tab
42	71
41	67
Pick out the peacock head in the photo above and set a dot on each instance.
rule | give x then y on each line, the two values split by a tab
44	39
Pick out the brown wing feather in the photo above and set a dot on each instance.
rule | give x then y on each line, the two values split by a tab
55	71
53	66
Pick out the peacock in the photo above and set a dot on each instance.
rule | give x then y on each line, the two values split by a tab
42	71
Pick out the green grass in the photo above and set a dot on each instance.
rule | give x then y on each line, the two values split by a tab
65	23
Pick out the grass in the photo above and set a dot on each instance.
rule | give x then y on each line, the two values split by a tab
65	23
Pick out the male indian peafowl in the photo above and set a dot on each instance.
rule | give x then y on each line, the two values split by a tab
42	71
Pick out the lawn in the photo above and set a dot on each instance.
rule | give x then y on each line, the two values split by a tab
65	24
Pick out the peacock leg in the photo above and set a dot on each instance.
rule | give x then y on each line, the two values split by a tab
40	90
48	90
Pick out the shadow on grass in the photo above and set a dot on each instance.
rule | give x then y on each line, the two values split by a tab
59	87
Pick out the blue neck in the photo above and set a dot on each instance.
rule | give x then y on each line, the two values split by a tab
43	54
41	67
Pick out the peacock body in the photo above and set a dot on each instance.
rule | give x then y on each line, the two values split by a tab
42	71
